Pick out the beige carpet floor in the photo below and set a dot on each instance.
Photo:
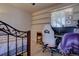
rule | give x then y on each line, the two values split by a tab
36	50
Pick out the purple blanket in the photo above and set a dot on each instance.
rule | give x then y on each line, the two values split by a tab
70	41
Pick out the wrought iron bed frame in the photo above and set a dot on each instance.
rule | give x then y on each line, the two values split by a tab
9	30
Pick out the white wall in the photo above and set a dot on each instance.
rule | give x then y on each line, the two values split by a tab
17	18
76	12
38	22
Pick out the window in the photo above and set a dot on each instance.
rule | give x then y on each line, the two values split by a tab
59	18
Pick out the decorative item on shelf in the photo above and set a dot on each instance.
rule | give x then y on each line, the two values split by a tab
68	22
76	30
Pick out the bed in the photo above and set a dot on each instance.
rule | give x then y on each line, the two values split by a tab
13	42
69	44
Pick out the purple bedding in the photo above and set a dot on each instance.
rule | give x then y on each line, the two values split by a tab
70	41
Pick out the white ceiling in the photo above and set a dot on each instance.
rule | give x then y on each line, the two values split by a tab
33	8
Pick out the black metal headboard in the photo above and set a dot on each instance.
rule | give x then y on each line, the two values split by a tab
9	30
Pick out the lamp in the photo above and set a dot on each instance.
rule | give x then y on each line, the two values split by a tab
33	3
